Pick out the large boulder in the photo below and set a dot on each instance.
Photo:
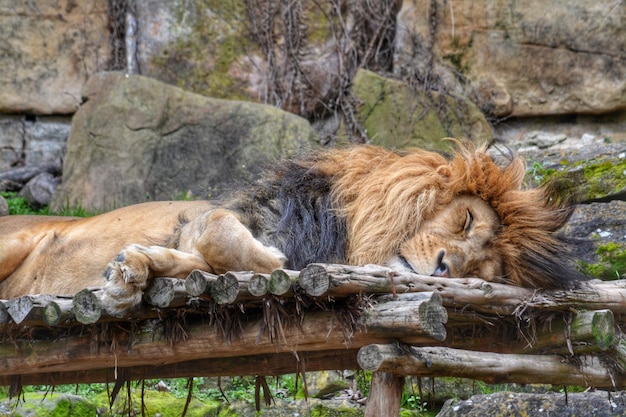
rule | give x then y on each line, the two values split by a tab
523	57
397	116
505	404
49	49
136	139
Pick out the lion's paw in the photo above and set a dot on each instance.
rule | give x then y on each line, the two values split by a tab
126	276
277	254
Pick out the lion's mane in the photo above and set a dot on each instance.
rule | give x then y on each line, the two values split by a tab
378	198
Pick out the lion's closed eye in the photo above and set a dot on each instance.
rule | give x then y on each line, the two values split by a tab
469	221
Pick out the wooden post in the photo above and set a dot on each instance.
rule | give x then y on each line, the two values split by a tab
385	395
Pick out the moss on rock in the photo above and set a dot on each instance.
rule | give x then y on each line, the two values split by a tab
396	116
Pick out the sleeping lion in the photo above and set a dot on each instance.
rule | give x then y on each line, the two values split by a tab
414	210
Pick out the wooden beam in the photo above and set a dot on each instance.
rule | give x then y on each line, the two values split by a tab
493	368
149	344
271	364
487	297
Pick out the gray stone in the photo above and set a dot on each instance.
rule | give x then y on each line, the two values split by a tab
136	139
32	142
12	140
38	191
4	207
543	140
505	404
46	139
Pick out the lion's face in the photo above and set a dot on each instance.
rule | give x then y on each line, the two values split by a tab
457	242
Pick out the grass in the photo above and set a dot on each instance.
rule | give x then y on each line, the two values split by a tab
18	205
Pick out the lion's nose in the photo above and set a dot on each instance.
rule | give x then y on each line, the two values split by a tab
442	269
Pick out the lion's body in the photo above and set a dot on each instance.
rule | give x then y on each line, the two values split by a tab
417	211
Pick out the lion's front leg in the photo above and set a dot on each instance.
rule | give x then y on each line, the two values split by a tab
132	269
227	245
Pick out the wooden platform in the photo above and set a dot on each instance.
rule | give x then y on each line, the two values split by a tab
323	317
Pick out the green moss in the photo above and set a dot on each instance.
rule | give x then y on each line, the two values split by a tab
201	61
612	263
38	404
592	179
155	402
319	410
457	54
396	116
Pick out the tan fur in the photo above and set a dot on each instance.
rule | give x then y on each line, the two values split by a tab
414	210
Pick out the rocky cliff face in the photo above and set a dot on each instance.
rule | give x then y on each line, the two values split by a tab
525	58
49	50
515	58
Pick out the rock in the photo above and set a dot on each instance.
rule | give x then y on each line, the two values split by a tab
503	404
137	139
523	58
45	140
600	178
215	49
50	48
287	408
32	140
599	233
603	222
4	207
543	140
324	384
25	174
38	191
396	116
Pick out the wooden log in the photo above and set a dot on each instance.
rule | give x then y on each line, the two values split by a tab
419	313
258	285
589	331
483	296
385	395
166	292
315	279
198	282
271	364
281	282
223	289
493	368
4	314
150	345
28	308
250	286
619	351
86	306
58	312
